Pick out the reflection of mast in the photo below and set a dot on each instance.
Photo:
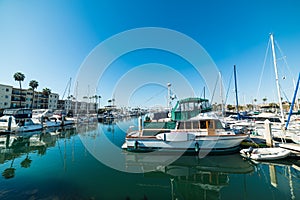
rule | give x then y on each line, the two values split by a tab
291	183
172	188
65	155
73	149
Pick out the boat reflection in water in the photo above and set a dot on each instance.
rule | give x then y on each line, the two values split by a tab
14	146
193	177
57	165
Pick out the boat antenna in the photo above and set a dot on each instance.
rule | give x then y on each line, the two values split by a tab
168	98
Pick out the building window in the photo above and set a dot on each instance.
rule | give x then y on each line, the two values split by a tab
7	90
5	103
6	96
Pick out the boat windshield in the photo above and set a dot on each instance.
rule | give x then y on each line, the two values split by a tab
218	124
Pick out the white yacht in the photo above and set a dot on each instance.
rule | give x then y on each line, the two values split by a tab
18	120
43	116
62	120
203	133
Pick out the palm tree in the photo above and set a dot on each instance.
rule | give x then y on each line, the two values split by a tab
255	100
46	91
26	162
264	99
33	84
18	76
9	172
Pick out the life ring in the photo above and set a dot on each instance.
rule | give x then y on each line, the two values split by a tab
169	115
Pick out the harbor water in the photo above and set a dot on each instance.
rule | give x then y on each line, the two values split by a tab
87	162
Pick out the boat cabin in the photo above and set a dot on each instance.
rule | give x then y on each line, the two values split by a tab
203	126
20	113
200	124
190	107
209	125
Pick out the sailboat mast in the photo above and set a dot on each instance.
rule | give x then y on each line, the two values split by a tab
293	102
236	94
221	94
276	76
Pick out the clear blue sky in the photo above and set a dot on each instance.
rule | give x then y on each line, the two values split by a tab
49	40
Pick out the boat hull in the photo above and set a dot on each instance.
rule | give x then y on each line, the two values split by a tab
208	144
261	154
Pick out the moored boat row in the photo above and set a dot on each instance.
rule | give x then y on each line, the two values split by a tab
23	120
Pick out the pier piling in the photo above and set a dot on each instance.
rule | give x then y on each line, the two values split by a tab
268	134
9	124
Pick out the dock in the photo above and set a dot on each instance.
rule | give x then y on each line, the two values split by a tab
295	148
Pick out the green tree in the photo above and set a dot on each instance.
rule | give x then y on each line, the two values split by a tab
26	162
255	105
230	107
249	106
33	84
9	172
264	99
46	91
18	76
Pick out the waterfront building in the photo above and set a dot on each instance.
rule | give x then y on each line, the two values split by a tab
18	97
11	97
5	96
53	101
77	107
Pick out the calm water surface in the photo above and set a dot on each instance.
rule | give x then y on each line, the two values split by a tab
80	164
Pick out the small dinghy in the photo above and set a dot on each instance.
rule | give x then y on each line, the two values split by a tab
274	153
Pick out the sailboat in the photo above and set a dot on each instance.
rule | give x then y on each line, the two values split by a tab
239	123
275	152
277	120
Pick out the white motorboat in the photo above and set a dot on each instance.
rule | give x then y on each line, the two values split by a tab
203	133
295	136
62	120
42	116
18	120
274	153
